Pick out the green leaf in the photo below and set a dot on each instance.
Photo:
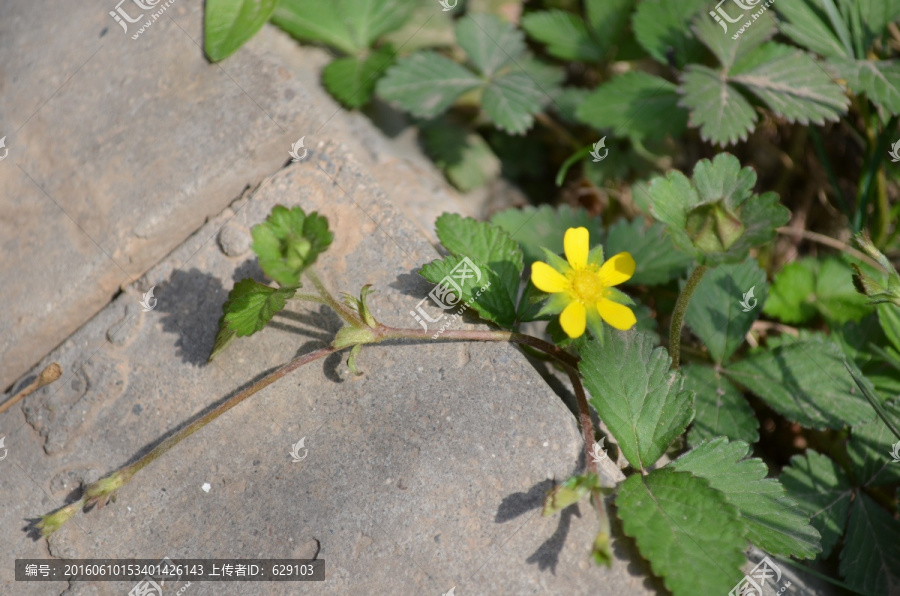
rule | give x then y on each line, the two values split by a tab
635	104
511	101
249	307
721	408
822	491
608	20
464	156
657	261
719	110
805	382
806	24
640	400
791	84
492	302
771	518
350	26
490	42
866	344
565	34
880	81
808	286
425	84
718	312
352	80
662	27
889	318
670	515
483	242
870	560
870	449
289	241
726	49
228	24
545	226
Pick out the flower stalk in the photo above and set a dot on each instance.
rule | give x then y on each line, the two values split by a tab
684	298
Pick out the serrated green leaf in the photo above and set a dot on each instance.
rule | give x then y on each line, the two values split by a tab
289	241
492	303
544	226
870	449
657	261
822	491
566	35
367	20
809	285
608	21
424	29
662	28
483	242
867	345
228	24
805	382
425	84
721	409
249	307
875	16
635	104
352	80
464	156
719	110
771	518
510	101
791	84
880	81
718	311
490	42
670	515
870	559
546	78
640	400
807	25
725	47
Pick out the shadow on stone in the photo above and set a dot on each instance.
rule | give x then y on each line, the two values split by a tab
191	305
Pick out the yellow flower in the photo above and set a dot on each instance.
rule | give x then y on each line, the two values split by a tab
582	288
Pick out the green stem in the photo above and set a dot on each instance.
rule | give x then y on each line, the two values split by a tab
341	309
684	298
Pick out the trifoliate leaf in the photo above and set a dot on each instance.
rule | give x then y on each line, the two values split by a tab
870	449
662	27
228	24
352	80
724	306
721	409
566	35
771	518
486	243
289	241
635	104
870	559
250	306
880	81
464	156
822	491
490	42
545	226
719	110
640	400
805	382
809	285
511	100
471	285
657	261
425	84
670	515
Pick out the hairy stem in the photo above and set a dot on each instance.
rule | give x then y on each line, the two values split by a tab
341	309
684	298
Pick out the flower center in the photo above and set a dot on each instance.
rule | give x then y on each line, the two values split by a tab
587	287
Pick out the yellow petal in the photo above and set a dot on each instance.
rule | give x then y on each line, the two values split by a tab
617	269
616	315
547	279
577	244
573	319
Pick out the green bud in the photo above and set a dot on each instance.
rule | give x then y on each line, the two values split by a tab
712	228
